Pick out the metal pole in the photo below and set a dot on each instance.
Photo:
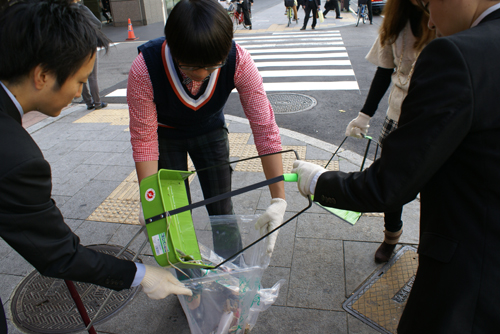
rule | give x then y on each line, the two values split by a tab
79	306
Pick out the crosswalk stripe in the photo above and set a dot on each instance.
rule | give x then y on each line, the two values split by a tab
290	50
294	39
294	45
311	32
122	92
299	56
305	86
303	63
238	39
306	73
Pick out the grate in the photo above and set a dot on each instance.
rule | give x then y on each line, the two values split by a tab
290	103
380	301
43	304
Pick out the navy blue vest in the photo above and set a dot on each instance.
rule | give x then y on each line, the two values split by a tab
177	118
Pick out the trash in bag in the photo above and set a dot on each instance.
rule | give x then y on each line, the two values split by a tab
227	300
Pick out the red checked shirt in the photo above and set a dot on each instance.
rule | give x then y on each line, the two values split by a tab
248	82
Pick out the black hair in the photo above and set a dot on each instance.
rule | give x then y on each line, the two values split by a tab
199	32
55	34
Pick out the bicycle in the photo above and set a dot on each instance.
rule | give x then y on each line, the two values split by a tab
236	17
362	13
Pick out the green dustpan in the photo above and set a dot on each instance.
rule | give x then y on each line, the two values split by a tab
172	238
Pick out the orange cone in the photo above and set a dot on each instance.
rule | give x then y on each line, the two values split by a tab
131	36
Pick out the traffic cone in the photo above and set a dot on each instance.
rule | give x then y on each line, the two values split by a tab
131	36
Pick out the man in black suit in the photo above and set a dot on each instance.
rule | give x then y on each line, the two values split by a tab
314	6
447	149
36	75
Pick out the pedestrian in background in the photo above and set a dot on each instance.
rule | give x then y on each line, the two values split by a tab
92	98
245	5
403	35
51	51
444	148
368	4
331	5
106	10
314	6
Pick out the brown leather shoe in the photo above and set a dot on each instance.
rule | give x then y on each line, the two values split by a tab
384	252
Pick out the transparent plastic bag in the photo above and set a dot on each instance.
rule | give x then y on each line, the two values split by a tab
229	299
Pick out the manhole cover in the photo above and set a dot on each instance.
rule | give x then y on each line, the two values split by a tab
291	103
43	304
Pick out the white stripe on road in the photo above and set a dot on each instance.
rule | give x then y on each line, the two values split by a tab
253	46
303	63
299	56
304	86
306	73
289	36
333	48
295	40
118	93
310	32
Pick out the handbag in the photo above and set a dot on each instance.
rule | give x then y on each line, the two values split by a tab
320	15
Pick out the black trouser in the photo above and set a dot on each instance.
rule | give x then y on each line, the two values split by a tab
207	150
246	12
330	5
310	6
369	5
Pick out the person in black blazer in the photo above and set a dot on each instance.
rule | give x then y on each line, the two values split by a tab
310	5
36	75
447	149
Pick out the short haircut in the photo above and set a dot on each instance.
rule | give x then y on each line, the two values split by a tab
199	32
55	34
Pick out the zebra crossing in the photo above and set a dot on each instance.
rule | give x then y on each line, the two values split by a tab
294	61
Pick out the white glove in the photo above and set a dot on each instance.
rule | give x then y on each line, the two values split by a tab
358	127
269	220
158	283
306	172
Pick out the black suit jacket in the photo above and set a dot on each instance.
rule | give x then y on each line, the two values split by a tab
447	147
31	223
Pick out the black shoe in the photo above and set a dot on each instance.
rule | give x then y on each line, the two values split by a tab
371	22
312	28
303	28
90	106
339	17
101	105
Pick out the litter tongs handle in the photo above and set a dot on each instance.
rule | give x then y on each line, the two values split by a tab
287	177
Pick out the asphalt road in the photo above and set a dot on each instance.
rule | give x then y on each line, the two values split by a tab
326	121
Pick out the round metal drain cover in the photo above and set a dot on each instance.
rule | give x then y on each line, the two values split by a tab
43	304
290	103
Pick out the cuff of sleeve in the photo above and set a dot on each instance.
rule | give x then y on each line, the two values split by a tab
312	186
139	274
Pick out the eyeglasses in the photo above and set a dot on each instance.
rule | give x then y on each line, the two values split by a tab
208	68
424	5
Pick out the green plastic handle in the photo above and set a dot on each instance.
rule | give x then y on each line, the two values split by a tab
289	177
